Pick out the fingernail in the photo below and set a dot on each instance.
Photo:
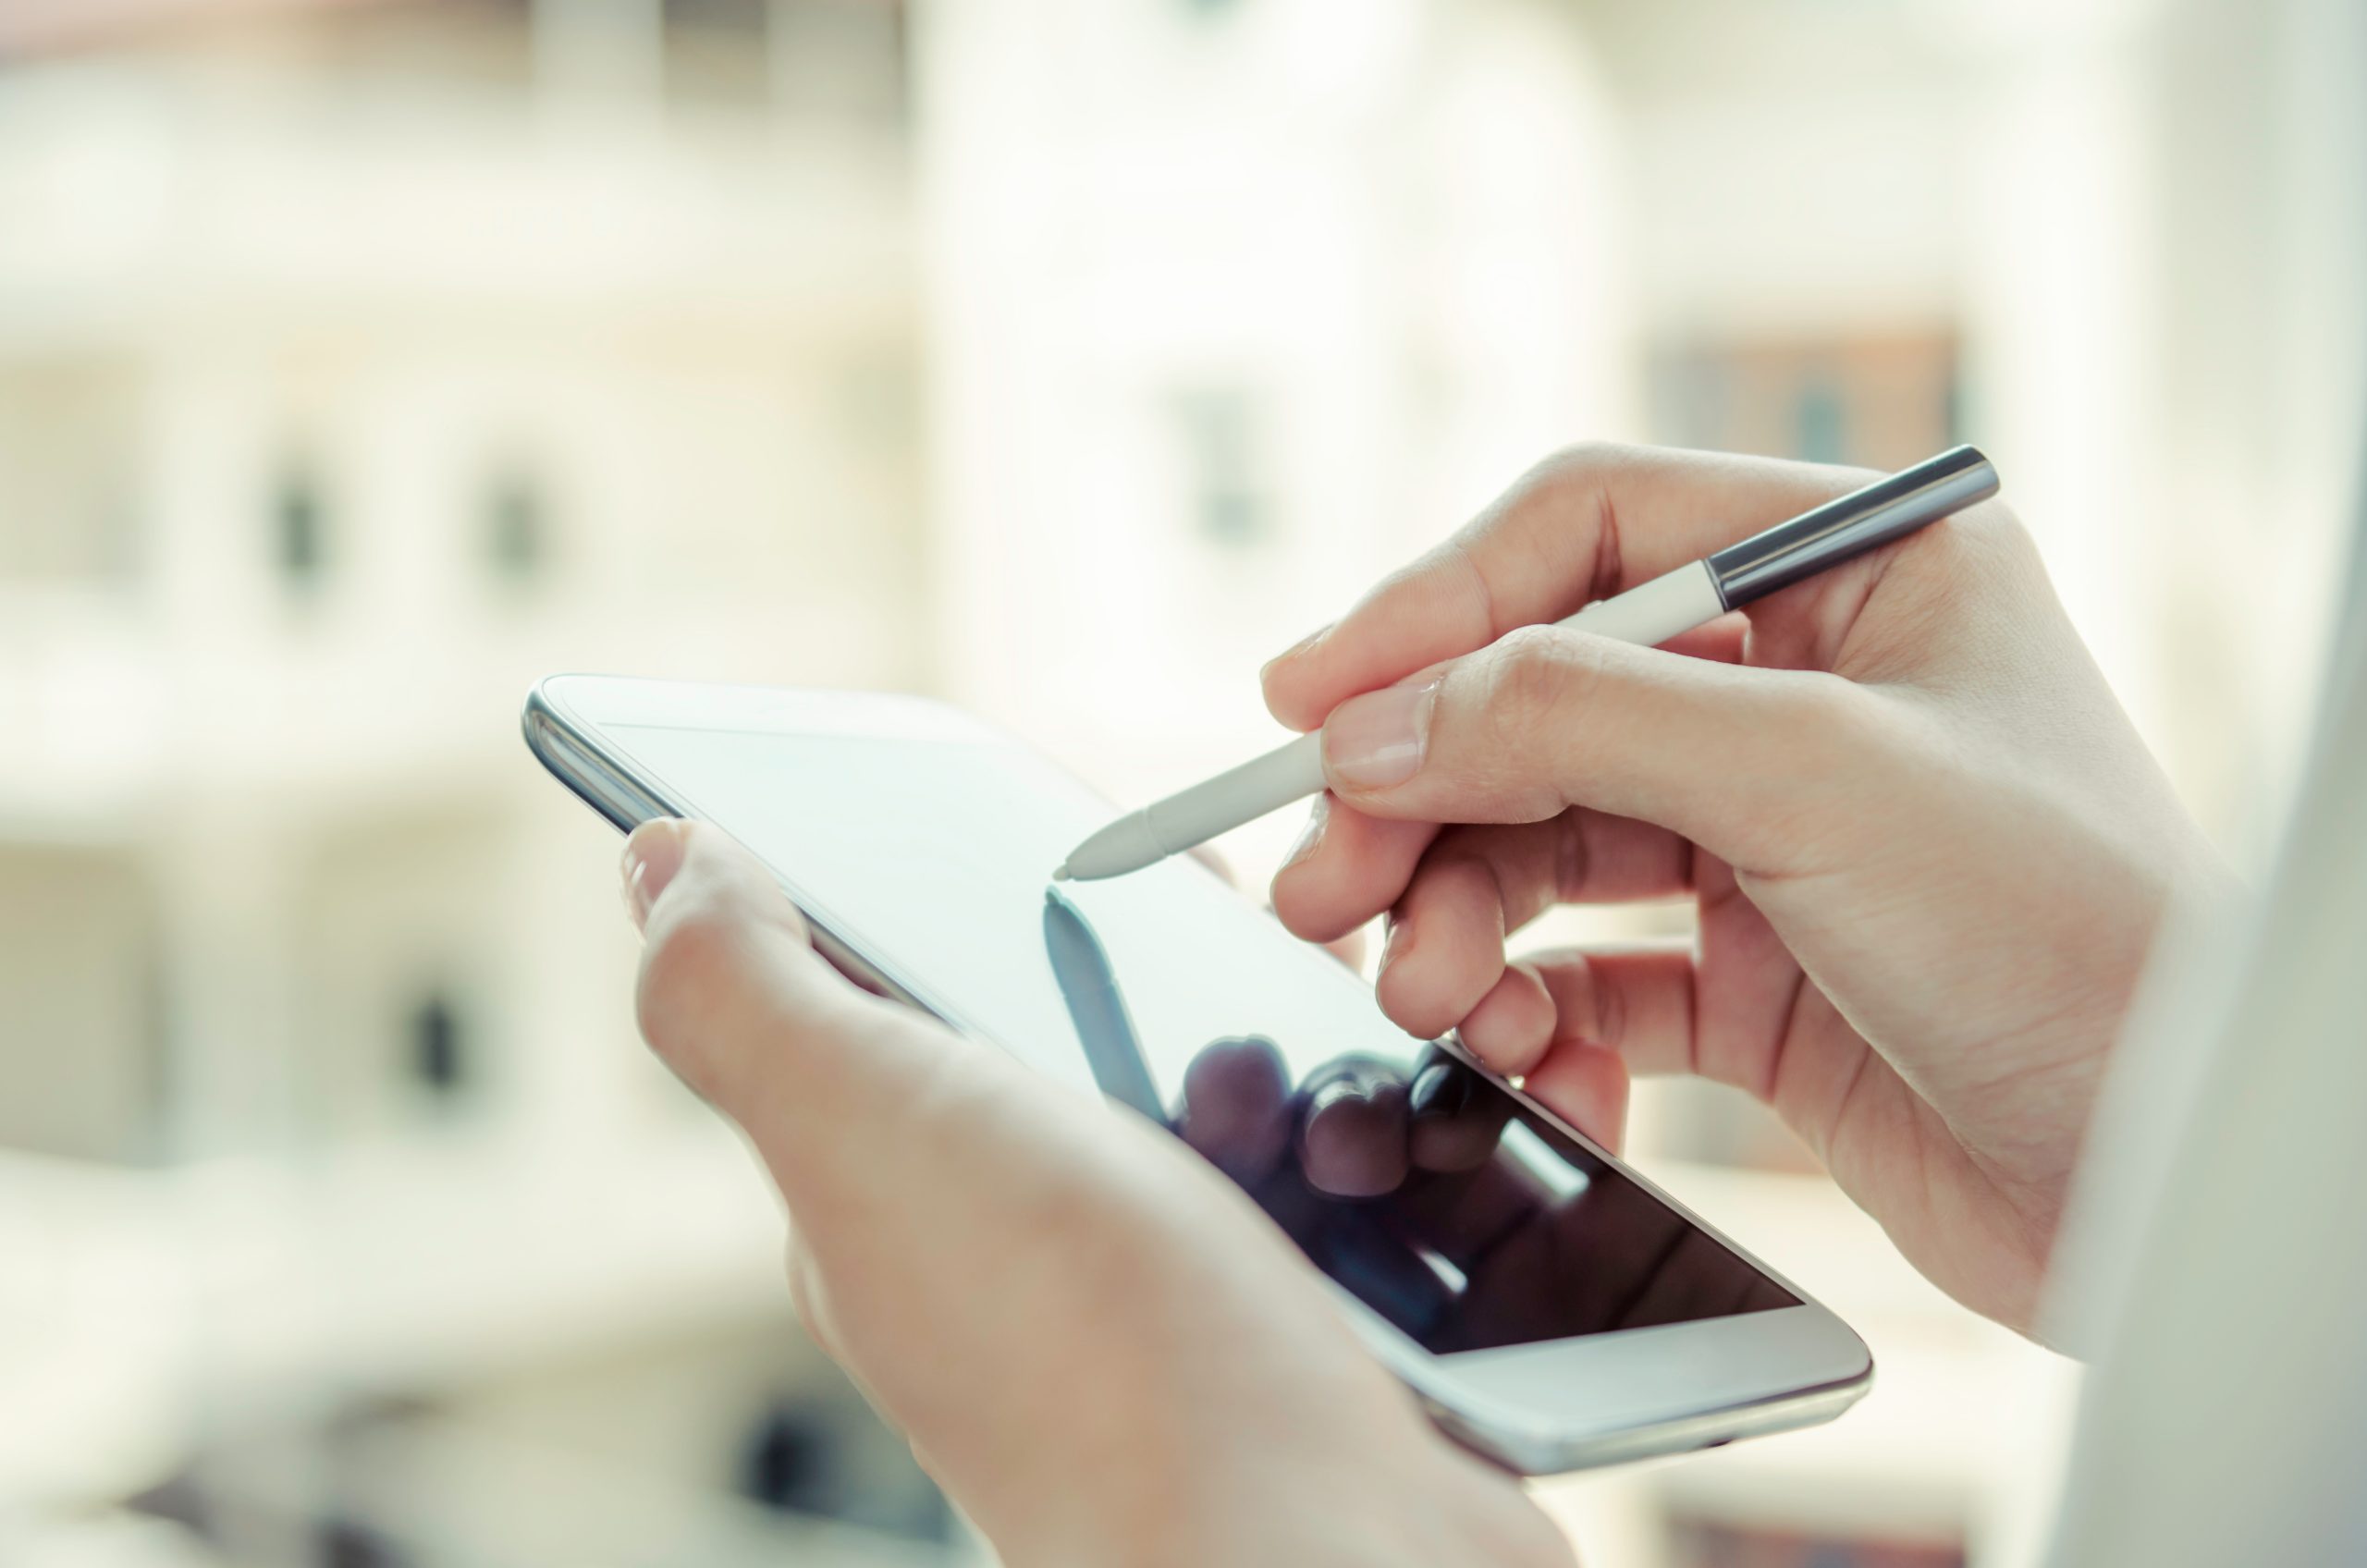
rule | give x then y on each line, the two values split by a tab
653	856
1295	650
1375	741
1310	835
1332	1094
1439	1090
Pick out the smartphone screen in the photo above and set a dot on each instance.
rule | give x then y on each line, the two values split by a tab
1452	1210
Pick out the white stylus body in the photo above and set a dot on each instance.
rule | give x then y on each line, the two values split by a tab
1647	615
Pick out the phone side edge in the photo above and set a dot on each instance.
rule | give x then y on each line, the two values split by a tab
572	753
1526	1449
569	752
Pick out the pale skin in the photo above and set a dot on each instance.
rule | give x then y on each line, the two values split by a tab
1928	855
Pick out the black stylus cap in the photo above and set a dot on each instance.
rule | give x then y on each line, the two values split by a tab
1889	509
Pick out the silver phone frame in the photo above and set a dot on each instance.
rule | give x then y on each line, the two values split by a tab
1485	1400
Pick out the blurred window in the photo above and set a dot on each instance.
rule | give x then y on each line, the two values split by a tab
516	542
439	1056
787	1464
1220	430
821	1453
347	1543
1881	398
298	528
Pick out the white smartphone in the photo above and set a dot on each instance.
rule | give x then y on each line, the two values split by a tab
1550	1307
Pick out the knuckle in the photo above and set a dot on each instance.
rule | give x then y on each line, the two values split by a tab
1538	670
1579	465
2001	529
1990	543
1576	470
1997	522
1538	681
1581	460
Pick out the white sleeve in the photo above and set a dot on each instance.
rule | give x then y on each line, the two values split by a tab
2214	1261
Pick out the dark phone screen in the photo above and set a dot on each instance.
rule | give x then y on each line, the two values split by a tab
1453	1211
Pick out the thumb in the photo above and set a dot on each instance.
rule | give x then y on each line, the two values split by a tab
733	997
1736	759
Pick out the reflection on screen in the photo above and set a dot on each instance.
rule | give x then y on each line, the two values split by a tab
1456	1213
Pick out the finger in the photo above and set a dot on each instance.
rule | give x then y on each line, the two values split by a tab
1349	876
733	997
1323	892
1637	1003
1586	1085
1649	1005
1352	1140
1446	954
1741	760
1236	1108
1475	886
1445	965
1592	523
1513	1024
1364	837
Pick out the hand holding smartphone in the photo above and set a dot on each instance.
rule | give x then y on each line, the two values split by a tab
1551	1308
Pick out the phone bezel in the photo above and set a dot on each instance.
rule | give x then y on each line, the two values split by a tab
1538	1408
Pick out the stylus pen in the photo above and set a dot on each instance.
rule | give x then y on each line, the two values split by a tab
1648	614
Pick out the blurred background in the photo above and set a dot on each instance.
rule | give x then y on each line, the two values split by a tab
361	360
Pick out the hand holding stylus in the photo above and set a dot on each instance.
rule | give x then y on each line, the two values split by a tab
1675	600
1927	849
